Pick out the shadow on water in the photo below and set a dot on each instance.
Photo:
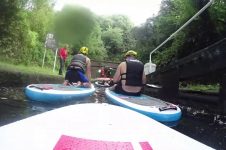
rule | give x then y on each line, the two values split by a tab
205	127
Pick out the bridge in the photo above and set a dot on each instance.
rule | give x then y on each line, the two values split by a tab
207	65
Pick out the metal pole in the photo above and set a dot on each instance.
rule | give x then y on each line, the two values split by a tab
55	60
191	19
43	60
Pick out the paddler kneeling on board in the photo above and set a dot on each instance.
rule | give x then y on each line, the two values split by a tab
79	70
129	77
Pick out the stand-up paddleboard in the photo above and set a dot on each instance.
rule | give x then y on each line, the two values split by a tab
57	92
152	107
93	127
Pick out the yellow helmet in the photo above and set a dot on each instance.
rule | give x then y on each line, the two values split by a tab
131	53
84	50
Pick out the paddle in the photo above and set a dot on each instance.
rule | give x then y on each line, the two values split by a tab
153	86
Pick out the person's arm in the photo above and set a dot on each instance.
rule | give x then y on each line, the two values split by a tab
144	78
66	54
116	77
88	69
59	53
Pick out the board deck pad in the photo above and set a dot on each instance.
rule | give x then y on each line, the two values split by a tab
59	87
74	143
142	100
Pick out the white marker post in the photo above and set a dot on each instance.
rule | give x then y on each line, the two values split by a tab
55	59
51	44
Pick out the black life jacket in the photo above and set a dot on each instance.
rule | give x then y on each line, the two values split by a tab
134	72
78	62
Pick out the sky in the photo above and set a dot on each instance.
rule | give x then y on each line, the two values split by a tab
137	10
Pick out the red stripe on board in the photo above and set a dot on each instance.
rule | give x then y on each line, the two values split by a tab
145	146
74	143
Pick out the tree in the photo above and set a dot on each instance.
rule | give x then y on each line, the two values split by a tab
113	41
117	35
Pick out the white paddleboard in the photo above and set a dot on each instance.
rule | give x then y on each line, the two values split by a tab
93	127
152	107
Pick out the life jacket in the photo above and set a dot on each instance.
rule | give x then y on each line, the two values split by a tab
78	62
134	72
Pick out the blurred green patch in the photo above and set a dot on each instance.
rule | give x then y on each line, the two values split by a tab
74	24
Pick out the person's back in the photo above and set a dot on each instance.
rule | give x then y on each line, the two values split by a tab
129	75
79	70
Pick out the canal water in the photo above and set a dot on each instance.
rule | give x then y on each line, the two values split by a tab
207	128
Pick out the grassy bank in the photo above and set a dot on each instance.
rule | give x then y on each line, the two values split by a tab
20	75
212	88
27	69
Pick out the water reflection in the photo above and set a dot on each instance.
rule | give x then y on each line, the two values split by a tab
205	127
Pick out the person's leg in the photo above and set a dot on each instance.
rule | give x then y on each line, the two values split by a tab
84	80
61	66
120	90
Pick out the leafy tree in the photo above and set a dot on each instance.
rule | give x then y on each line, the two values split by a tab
123	39
23	36
113	41
13	30
173	14
96	45
218	17
40	17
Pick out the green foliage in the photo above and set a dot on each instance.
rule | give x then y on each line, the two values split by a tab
218	17
94	42
173	14
41	18
26	69
25	24
113	41
116	35
200	87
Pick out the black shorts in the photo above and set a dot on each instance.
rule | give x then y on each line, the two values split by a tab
74	76
119	90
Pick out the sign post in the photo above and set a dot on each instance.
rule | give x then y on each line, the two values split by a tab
50	43
54	64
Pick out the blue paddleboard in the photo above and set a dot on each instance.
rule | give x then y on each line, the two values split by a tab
57	92
152	107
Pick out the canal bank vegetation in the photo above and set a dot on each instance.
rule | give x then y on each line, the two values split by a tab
24	25
210	88
32	70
